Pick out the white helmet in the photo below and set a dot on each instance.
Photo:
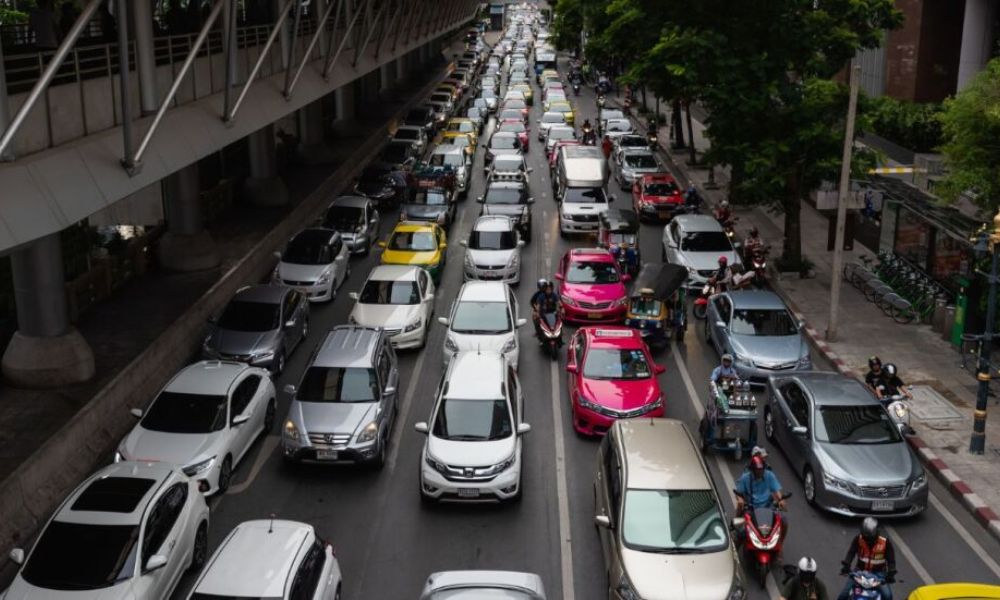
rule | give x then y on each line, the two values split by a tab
724	204
807	564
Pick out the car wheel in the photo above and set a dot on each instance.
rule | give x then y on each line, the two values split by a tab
199	554
269	415
336	596
769	426
809	486
379	461
225	475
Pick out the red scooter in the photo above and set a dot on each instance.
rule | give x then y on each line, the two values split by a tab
700	306
762	531
550	326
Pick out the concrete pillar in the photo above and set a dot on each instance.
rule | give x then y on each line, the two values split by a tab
312	132
401	70
4	105
386	78
186	246
264	187
232	59
142	23
343	98
320	8
46	351
977	39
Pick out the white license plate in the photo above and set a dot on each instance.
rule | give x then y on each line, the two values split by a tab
468	492
585	227
327	455
883	505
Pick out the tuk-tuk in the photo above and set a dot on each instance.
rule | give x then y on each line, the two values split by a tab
618	230
657	304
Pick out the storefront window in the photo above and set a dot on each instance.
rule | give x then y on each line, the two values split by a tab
912	237
951	257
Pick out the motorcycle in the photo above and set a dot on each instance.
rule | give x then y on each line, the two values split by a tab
899	411
576	88
700	308
627	106
550	336
653	140
866	585
758	262
589	137
600	101
761	531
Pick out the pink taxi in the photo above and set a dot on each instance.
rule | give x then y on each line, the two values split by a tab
591	287
611	376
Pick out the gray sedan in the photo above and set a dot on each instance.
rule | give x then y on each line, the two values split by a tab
844	445
759	331
260	326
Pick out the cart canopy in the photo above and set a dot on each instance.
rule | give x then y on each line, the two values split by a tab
663	279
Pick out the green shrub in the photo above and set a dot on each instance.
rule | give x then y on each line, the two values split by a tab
912	125
9	16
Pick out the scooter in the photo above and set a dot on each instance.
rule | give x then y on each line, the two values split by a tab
866	585
576	88
550	325
758	261
761	531
700	307
653	141
899	411
600	101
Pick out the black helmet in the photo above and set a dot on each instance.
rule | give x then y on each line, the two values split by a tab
542	283
874	361
869	529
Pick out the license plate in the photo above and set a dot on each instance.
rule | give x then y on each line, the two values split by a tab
326	455
594	315
586	227
468	492
883	505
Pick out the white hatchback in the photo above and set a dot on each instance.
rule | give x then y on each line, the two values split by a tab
483	318
493	250
399	299
473	447
205	419
272	559
315	262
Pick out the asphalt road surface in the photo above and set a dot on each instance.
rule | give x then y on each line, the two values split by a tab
388	543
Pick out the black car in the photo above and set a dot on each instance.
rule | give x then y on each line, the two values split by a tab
421	116
509	196
398	154
376	183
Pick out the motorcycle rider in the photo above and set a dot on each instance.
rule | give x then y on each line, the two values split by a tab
870	552
722	212
874	376
804	585
544	301
891	384
752	243
725	370
760	486
691	197
723	275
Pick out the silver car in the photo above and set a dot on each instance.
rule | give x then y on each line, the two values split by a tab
696	242
315	263
356	219
493	250
260	326
345	406
501	585
759	331
844	445
633	163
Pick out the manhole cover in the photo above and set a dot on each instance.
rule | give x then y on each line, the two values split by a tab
928	405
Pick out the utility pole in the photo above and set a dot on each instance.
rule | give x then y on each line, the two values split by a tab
987	241
845	188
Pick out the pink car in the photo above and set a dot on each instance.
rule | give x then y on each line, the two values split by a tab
591	287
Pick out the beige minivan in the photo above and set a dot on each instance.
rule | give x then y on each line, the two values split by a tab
661	523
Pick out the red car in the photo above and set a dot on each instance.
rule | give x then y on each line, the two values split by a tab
517	126
656	196
611	376
591	286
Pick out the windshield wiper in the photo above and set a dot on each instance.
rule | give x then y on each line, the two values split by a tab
466	438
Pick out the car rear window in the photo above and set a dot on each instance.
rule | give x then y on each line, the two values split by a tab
79	556
113	494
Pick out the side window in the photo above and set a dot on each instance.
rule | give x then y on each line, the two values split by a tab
725	308
422	282
383	368
512	393
337	246
291	305
612	467
578	349
243	394
307	577
162	518
797	403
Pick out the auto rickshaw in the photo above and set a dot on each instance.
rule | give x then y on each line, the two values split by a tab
618	230
657	304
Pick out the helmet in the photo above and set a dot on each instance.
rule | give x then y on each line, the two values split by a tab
758	451
807	564
874	361
757	463
542	283
754	232
727	358
724	204
890	369
869	529
723	261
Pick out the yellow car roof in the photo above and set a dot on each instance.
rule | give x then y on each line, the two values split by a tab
411	226
560	104
459	120
956	591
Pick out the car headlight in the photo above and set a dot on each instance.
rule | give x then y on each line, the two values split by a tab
435	464
509	346
450	345
276	274
567	300
469	262
655	404
324	278
736	591
620	302
625	590
515	260
919	482
832	482
587	403
805	361
369	433
290	430
120	455
199	467
499	467
413	326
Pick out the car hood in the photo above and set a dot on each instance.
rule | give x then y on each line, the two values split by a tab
407	257
22	590
703	261
680	576
423	211
769	350
295	272
332	417
232	342
490	258
390	316
672	199
480	342
620	394
868	464
590	292
582	208
503	151
471	454
179	448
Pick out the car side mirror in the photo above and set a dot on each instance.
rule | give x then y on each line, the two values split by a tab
659	369
612	198
389	390
240	419
529	170
463	243
737	523
720	324
444	321
602	521
523	428
800	430
212	320
136	412
156	561
522	322
290	323
558	276
421	427
626	277
571	368
801	324
479	199
531	200
353	295
17	556
381	244
289	389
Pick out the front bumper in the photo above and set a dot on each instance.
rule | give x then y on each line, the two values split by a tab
870	503
509	275
591	422
664	211
315	292
356	244
504	486
597	316
569	226
305	452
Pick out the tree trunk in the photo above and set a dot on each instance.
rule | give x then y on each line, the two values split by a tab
675	115
691	147
792	252
736	182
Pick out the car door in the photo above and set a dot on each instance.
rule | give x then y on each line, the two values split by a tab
385	411
671	243
163	535
513	308
574	356
292	321
426	286
792	406
372	221
338	249
608	497
245	415
722	313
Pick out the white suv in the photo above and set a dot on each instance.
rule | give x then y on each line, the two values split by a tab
483	317
473	447
271	559
493	250
129	531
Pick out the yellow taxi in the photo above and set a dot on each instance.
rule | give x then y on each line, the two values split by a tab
956	591
463	125
458	138
524	88
563	107
546	73
420	244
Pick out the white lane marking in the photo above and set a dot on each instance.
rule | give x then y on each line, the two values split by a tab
266	448
403	418
565	533
965	535
898	542
772	585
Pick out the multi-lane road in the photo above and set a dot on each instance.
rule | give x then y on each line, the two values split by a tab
388	542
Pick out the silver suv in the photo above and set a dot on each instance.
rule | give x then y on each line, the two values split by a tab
345	406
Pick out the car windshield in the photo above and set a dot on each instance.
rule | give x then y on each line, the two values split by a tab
389	292
415	241
583	271
430	198
512	126
616	363
640	161
706	241
504	142
463	127
560	108
81	556
502	195
479	592
514	103
407	134
673	521
619	125
612	114
175	412
481	318
558	133
460	140
585	196
661	189
473	420
508	163
553	117
492	240
250	316
488	93
861	424
509	113
336	384
474	113
763	322
308	250
632	141
344	218
622	238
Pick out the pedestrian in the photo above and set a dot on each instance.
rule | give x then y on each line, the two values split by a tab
606	147
67	17
42	21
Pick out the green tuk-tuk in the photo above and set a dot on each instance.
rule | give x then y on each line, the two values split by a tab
657	305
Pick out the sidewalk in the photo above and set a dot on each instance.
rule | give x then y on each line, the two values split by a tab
944	393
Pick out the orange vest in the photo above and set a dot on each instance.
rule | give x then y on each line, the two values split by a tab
872	557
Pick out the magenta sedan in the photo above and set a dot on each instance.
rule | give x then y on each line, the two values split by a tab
591	287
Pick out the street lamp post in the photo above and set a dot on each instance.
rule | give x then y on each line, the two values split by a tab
986	241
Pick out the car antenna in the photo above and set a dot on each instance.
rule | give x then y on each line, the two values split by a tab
270	526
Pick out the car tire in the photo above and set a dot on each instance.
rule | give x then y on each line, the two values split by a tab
225	475
199	554
378	462
809	486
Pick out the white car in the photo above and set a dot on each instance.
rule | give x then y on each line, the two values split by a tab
557	133
473	447
493	250
399	299
696	242
315	262
605	114
501	585
614	128
205	420
130	530
483	317
272	559
579	209
549	119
